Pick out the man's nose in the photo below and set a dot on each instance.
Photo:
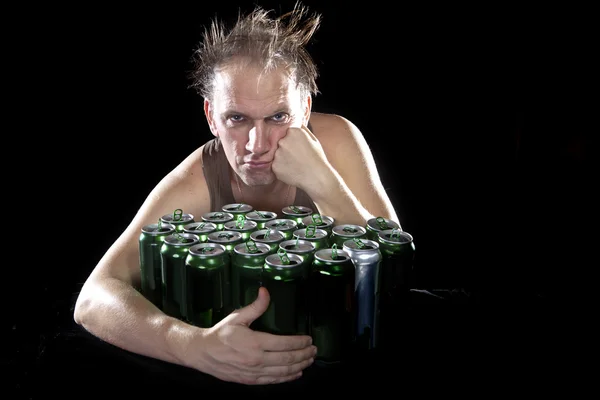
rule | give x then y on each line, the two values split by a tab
258	139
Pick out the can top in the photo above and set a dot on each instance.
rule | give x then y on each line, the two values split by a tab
182	239
224	236
349	230
247	225
297	211
177	218
332	255
217	217
310	233
237	208
283	260
250	248
261	215
200	227
207	250
320	221
282	224
381	224
267	235
154	230
395	236
297	246
360	245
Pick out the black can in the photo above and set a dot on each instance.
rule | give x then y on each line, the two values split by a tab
151	239
332	304
285	276
205	278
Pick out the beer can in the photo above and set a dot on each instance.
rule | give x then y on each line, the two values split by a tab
319	237
178	218
218	218
319	221
376	225
205	278
304	248
229	239
151	239
261	217
236	209
366	257
202	229
285	276
341	233
241	225
173	253
270	237
284	225
296	214
246	270
398	251
332	306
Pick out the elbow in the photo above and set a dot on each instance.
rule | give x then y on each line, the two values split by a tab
83	306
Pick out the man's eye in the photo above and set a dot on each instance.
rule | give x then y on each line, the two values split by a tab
279	117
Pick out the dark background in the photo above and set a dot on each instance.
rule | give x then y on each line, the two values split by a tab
470	114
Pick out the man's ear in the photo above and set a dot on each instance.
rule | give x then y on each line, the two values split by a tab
208	112
307	109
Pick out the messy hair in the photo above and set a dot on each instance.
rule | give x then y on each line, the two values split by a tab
262	40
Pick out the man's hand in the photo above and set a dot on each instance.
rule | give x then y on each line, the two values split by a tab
233	352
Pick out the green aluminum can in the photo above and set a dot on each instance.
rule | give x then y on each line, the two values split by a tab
271	237
332	304
285	276
341	233
241	225
229	239
319	237
284	225
237	209
297	214
261	217
173	253
151	239
202	229
376	225
319	221
205	277
304	248
246	271
218	218
178	218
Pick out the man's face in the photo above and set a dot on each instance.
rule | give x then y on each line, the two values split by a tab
250	113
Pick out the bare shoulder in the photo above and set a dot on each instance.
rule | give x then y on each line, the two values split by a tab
338	135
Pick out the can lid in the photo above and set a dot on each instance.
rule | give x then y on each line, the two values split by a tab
217	216
297	246
200	227
206	250
237	207
250	247
381	224
320	221
349	230
279	260
282	223
267	235
395	236
154	230
224	236
310	233
246	225
297	211
261	215
182	239
332	255
357	244
177	218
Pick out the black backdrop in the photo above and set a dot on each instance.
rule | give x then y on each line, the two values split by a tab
463	109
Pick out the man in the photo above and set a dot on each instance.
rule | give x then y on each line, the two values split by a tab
270	150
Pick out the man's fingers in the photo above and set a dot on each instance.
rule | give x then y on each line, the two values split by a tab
286	358
283	373
269	342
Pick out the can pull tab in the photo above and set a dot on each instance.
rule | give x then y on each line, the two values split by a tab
207	250
310	231
296	209
359	243
251	247
200	226
267	233
260	214
283	256
395	233
177	214
237	206
240	221
217	215
349	229
224	235
317	219
179	237
159	224
382	224
334	253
